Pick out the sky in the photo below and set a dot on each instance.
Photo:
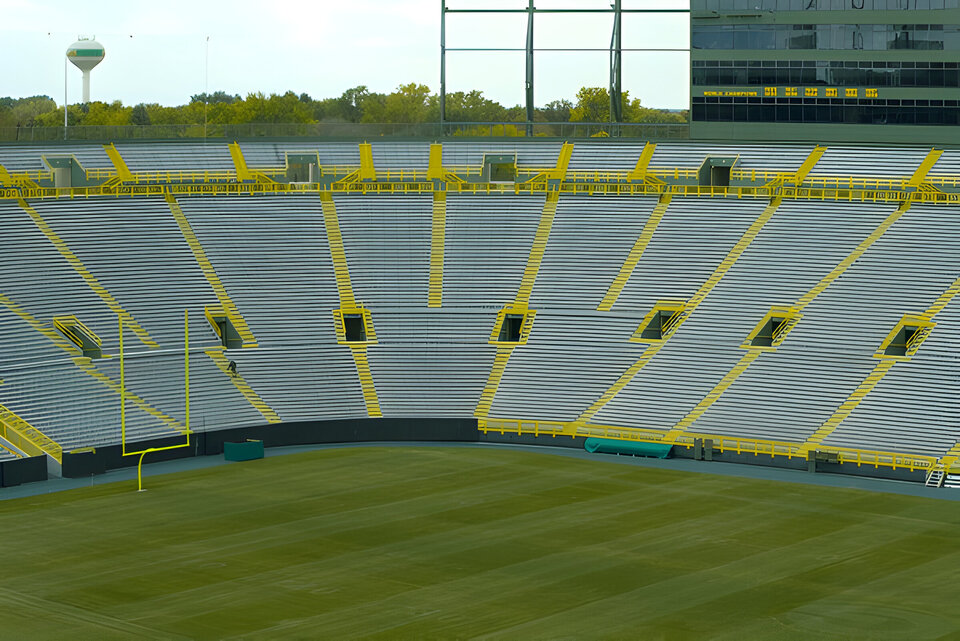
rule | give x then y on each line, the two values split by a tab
164	52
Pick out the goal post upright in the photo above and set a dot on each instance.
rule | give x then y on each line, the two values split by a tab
186	400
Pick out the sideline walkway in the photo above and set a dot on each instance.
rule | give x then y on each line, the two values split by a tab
686	465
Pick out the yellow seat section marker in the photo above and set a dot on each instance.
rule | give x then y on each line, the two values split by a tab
691	305
519	307
730	377
348	304
229	307
223	363
88	278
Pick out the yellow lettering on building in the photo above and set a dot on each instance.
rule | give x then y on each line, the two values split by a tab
738	94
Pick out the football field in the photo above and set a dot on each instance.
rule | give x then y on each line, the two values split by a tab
472	542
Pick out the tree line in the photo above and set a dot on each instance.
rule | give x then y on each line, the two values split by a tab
410	103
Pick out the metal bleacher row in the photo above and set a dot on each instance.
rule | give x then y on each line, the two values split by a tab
852	269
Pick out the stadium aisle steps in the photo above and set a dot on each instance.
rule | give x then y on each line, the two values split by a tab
226	302
223	363
84	273
521	300
691	305
636	252
437	239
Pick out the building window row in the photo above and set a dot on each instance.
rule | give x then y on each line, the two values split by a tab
819	110
821	72
822	5
844	37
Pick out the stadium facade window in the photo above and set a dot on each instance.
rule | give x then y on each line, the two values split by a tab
822	37
812	6
825	73
821	110
659	322
512	326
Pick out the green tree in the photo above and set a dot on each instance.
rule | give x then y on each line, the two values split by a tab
257	107
556	111
593	105
23	112
469	106
140	115
409	103
215	98
349	106
101	113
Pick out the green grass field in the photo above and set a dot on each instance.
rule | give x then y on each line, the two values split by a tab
436	542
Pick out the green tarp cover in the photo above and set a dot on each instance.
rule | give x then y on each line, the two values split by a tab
611	446
246	451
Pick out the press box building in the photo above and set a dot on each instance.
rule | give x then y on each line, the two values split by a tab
826	70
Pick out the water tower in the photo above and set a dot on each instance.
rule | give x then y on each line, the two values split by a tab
85	54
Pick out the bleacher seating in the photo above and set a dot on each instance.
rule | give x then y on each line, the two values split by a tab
777	398
272	257
590	239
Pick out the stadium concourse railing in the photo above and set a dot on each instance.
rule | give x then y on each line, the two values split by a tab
348	130
723	443
416	187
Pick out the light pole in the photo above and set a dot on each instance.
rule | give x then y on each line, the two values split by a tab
64	98
206	83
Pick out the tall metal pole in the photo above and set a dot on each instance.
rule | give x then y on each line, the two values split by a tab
206	83
443	63
186	371
530	12
64	97
616	55
123	391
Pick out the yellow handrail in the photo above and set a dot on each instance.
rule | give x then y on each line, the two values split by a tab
740	445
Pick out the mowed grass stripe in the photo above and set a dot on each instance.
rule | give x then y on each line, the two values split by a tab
457	543
590	570
506	557
473	542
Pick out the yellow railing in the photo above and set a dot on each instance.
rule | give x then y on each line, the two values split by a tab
402	175
943	181
184	176
753	175
767	184
36	174
675	173
98	173
598	176
463	170
271	172
218	175
722	443
335	171
622	189
855	182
